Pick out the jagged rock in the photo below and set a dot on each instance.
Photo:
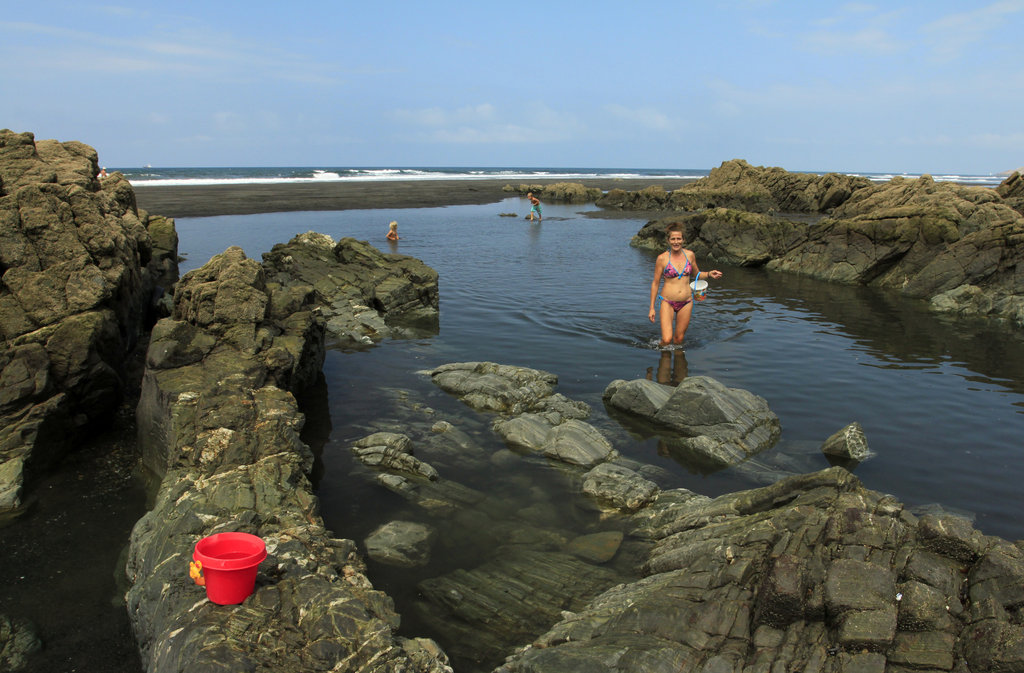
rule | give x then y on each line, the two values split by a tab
391	452
732	236
953	245
18	640
738	185
619	486
401	543
848	443
218	421
704	422
1012	190
79	269
811	569
363	294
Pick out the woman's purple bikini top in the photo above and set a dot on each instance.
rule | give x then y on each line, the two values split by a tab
671	272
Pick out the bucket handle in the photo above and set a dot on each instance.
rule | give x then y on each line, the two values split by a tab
195	571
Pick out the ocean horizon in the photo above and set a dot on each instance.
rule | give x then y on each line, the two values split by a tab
150	176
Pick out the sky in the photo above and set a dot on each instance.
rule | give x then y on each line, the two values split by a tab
930	86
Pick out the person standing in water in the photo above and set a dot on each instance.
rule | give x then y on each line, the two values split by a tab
534	207
675	267
393	231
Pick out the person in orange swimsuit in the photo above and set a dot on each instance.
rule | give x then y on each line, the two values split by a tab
675	266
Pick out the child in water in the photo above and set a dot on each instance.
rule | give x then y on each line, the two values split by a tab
393	231
534	207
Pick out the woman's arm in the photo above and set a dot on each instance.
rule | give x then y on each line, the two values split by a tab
659	268
714	273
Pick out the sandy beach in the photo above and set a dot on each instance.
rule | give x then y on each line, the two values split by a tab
246	199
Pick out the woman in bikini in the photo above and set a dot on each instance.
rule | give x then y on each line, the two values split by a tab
675	266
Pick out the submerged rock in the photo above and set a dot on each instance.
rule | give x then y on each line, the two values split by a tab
391	452
487	611
401	543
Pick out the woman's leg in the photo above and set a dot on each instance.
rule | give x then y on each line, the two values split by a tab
666	314
682	322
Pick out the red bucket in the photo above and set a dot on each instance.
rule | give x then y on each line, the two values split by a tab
226	563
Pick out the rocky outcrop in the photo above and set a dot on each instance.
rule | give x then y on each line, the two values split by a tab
218	420
737	185
812	573
80	267
704	425
363	294
535	418
1012	190
954	246
559	192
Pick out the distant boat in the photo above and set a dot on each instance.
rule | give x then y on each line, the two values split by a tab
148	166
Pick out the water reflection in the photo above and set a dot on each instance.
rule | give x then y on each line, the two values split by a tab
672	367
893	328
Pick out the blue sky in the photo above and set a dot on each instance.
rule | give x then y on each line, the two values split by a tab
930	86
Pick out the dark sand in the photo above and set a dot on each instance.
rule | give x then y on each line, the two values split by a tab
202	201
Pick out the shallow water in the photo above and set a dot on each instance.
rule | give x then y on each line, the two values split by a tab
941	401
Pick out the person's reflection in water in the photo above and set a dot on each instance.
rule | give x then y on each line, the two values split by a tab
672	368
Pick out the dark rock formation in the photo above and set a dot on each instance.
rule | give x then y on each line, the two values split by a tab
1012	191
218	421
80	267
559	192
956	247
738	185
363	294
812	573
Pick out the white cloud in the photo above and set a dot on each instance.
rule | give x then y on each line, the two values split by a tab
645	117
196	52
485	123
952	34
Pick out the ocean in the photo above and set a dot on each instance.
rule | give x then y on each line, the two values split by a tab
150	176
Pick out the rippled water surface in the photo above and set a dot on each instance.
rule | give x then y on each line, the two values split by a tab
941	401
